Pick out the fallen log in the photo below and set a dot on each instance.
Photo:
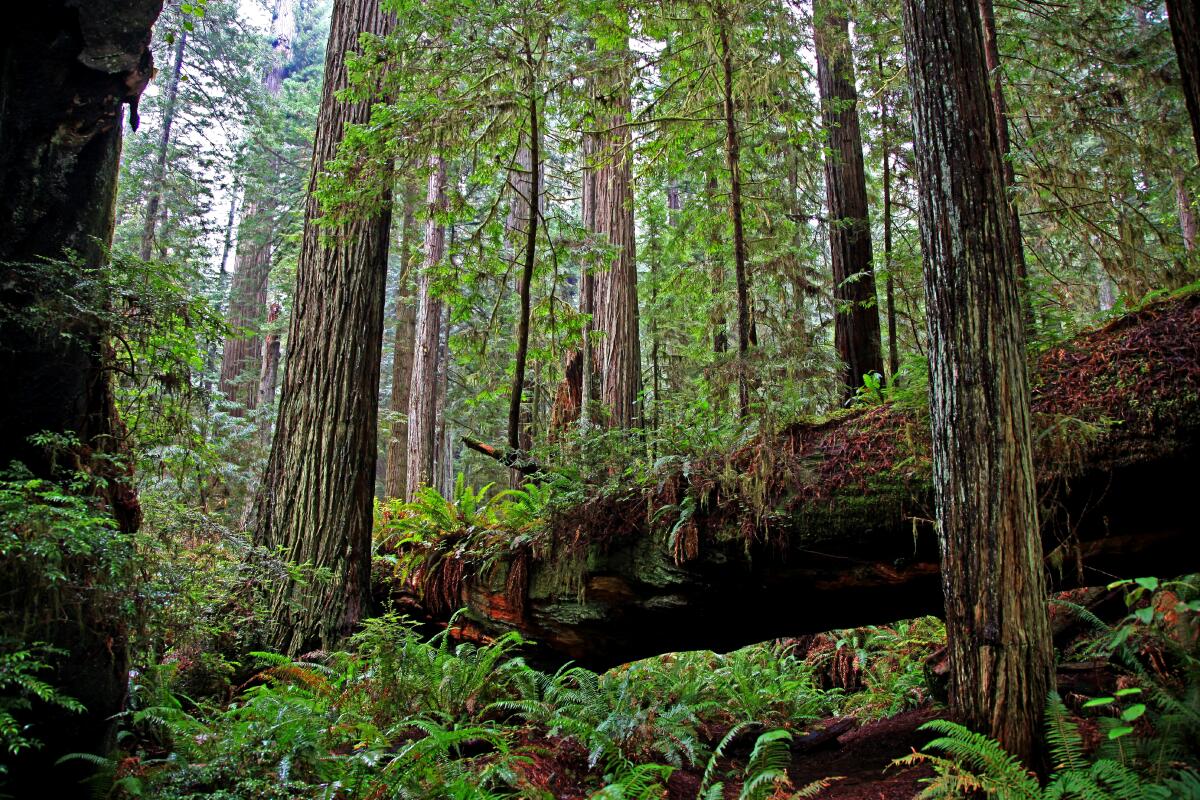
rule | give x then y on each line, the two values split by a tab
828	525
513	459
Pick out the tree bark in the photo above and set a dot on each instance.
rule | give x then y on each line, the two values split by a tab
403	347
991	52
1187	215
268	376
316	495
992	571
856	307
885	124
1184	16
734	166
66	69
618	362
422	395
150	226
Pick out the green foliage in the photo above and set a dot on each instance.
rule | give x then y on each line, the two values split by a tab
20	685
973	763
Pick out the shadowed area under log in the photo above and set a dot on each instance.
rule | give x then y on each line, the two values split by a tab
828	525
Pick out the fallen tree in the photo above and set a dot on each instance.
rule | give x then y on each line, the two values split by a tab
826	525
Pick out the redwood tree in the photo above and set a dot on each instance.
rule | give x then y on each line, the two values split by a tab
244	353
66	70
316	495
617	359
396	473
1184	16
856	313
422	395
1001	658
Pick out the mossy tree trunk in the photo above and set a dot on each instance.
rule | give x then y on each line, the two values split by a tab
992	574
315	500
856	309
66	69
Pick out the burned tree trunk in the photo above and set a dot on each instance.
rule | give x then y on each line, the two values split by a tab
315	499
1001	657
66	69
856	309
422	394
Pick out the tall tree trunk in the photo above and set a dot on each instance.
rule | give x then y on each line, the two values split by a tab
885	124
587	285
1184	16
268	376
616	302
65	71
227	243
422	395
443	449
526	280
315	499
856	308
991	53
403	347
733	164
243	355
1187	215
1001	657
150	225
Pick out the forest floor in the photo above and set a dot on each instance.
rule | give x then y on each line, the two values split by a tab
857	762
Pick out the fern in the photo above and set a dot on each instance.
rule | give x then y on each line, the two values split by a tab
768	765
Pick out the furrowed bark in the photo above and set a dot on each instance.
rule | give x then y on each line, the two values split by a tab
316	496
856	308
618	362
1184	17
992	572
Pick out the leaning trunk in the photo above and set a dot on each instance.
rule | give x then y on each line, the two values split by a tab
315	500
995	587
